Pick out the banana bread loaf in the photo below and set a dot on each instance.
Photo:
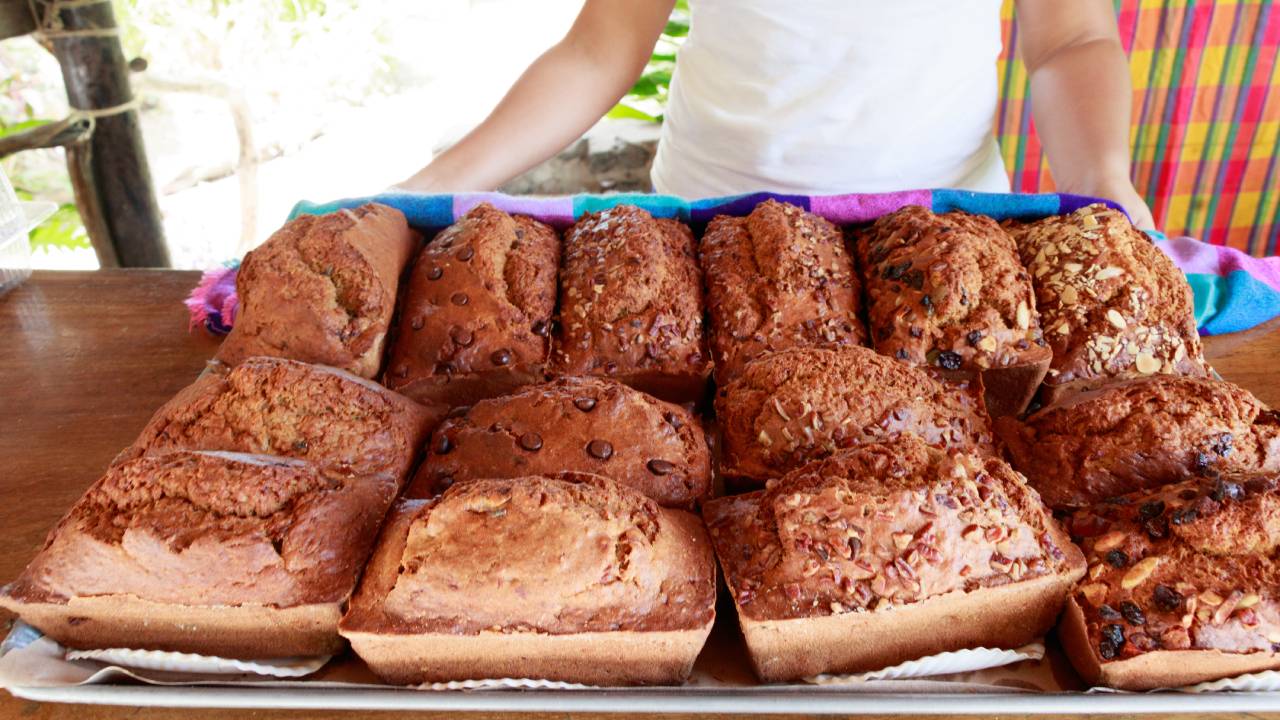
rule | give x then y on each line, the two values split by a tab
631	304
242	556
1183	585
888	552
322	289
776	279
288	408
576	580
590	425
1140	434
948	292
476	317
1112	305
793	406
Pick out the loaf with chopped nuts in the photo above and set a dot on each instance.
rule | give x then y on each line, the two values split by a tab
240	556
1112	305
1183	585
1140	434
631	304
776	279
476	317
590	425
888	552
288	408
579	580
322	289
948	292
793	406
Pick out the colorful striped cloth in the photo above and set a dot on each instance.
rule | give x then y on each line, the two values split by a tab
1206	116
1232	290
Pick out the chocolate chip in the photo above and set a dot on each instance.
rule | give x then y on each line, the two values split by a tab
435	273
459	411
1222	445
1168	599
445	368
1223	490
610	368
915	279
300	445
459	298
540	328
902	354
417	323
531	441
462	336
894	272
1183	516
949	360
673	420
927	303
916	332
585	404
1152	509
501	357
974	337
1106	612
600	449
1117	559
1132	613
466	253
1157	528
660	467
443	445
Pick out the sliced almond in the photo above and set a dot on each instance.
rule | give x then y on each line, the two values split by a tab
1107	273
987	343
1023	316
1095	593
901	540
1139	573
1116	319
1249	600
1069	295
1147	364
1072	267
1209	597
764	438
1227	607
1110	541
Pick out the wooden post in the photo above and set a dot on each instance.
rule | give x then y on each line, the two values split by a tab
97	77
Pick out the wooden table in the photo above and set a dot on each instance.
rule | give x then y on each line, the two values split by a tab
88	356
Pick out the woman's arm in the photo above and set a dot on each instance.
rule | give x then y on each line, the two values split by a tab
562	94
1081	97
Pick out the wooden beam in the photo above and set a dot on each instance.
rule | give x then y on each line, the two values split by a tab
15	19
97	77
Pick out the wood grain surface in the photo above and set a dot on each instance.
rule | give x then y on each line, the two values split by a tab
87	357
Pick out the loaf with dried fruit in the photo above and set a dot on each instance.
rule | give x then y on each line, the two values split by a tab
590	425
888	552
948	292
273	406
793	406
476	317
579	580
1139	434
631	304
1183	585
776	279
1112	305
322	289
240	556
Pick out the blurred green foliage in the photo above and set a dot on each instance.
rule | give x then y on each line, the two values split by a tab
647	99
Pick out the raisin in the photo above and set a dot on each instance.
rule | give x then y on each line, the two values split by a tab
1157	528
894	272
1106	649
1167	599
974	337
1106	612
927	303
902	354
1152	509
1223	490
949	360
1202	463
1132	613
1183	516
1113	634
1222	445
1117	559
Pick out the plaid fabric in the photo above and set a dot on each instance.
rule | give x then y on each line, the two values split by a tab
1206	113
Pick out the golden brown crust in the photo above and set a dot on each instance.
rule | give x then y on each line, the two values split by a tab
1112	305
948	292
631	304
590	425
273	406
477	312
776	279
1140	434
793	406
322	289
1181	570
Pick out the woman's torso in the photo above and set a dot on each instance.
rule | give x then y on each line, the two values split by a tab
830	96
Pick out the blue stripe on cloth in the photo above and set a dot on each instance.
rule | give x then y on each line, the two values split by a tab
422	211
1232	303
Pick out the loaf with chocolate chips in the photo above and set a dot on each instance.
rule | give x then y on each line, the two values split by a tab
776	279
888	552
948	292
1112	305
322	289
1139	434
793	406
476	318
240	556
590	425
1183	585
579	580
631	304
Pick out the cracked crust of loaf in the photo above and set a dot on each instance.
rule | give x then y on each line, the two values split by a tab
776	279
162	540
590	425
878	530
949	292
527	568
1181	587
1139	434
1112	305
476	317
631	304
793	406
322	289
273	406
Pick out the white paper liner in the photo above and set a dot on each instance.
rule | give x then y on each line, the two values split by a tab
504	684
1265	681
947	663
201	664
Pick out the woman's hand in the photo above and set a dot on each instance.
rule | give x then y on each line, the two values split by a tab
1120	190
